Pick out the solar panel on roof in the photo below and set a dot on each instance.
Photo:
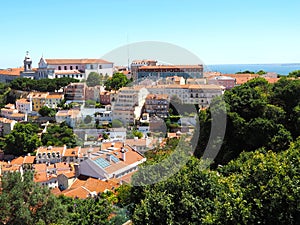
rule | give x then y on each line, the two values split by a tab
102	163
115	159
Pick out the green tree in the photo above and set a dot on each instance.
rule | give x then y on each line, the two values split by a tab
259	187
245	72
295	73
88	211
261	72
44	85
87	119
93	79
24	202
22	140
138	134
59	135
117	81
46	111
117	123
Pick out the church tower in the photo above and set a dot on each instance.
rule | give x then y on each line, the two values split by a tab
27	63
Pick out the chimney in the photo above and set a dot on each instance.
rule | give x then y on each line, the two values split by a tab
76	167
123	151
108	157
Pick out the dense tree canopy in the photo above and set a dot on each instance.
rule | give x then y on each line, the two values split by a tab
93	79
59	135
22	140
43	85
258	188
295	73
258	115
46	111
117	81
87	211
4	92
24	202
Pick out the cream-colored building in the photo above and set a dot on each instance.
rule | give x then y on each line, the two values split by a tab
40	99
53	99
189	94
129	103
6	126
24	105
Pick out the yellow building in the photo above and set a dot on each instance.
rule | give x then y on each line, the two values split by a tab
38	100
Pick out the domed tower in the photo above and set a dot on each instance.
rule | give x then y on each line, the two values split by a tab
27	63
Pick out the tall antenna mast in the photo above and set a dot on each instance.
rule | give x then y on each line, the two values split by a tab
128	51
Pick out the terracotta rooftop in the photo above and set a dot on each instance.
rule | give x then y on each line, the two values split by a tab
58	96
40	167
67	72
5	120
136	142
11	71
72	152
79	192
29	159
17	161
10	168
72	113
76	61
38	94
23	100
10	106
157	97
82	188
18	115
182	67
272	80
50	149
55	191
62	166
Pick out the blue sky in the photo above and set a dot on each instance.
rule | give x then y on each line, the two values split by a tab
217	31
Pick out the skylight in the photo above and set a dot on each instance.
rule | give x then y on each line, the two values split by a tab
102	163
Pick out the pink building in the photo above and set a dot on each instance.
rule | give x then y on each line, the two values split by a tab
227	82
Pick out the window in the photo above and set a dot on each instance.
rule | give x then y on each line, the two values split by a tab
92	67
65	67
100	67
71	67
76	67
59	67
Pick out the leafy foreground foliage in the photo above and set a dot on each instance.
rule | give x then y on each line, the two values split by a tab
24	202
257	188
259	115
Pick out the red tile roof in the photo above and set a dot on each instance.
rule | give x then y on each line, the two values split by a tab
29	159
183	67
11	71
81	188
75	61
18	161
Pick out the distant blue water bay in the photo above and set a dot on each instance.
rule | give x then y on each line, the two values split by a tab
282	69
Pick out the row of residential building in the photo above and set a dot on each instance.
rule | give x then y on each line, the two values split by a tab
59	167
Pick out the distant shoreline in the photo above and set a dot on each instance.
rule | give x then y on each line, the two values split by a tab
279	68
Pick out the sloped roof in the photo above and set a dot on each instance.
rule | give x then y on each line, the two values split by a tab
75	61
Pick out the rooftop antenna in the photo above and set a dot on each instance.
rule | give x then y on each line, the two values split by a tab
127	51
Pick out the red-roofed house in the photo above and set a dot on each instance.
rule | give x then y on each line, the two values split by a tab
114	161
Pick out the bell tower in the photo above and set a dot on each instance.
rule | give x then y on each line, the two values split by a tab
27	63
